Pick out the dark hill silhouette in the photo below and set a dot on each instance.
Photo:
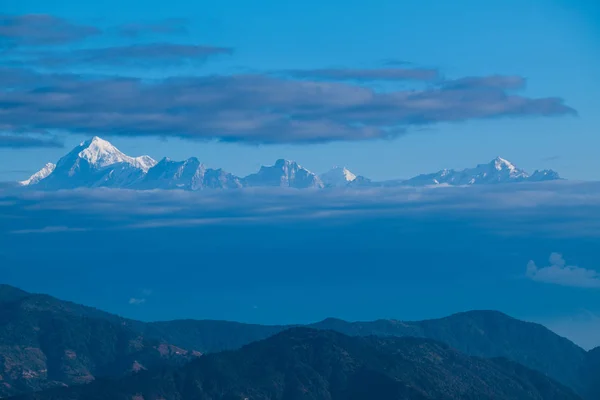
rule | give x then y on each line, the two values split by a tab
46	342
303	363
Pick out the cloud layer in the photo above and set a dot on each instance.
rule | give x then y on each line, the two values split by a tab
246	108
559	273
302	106
553	209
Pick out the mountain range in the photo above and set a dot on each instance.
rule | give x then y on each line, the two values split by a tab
303	363
97	163
61	350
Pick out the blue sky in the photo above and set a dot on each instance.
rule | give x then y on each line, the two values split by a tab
550	43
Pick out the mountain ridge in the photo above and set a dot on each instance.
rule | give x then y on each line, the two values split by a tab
479	333
97	163
316	364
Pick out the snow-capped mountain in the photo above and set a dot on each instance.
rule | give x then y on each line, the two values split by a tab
337	177
38	176
169	174
498	170
94	163
544	175
219	179
97	163
284	173
99	153
188	175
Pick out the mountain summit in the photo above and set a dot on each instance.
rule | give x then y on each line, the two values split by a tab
38	176
284	173
97	163
498	170
337	176
101	153
94	163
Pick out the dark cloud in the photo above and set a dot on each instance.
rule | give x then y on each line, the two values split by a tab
486	82
153	53
23	142
247	108
18	33
171	26
41	30
382	74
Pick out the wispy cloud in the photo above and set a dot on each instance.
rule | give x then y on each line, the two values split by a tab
559	273
138	300
23	142
30	40
42	30
131	55
383	74
49	229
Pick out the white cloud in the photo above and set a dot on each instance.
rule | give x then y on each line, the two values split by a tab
144	294
49	229
559	273
512	209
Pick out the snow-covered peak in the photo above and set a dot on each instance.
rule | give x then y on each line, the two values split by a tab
284	173
38	176
337	176
502	164
101	153
499	170
169	174
144	162
544	175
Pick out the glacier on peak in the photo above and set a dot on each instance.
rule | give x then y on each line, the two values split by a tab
101	153
97	163
499	170
337	176
40	175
